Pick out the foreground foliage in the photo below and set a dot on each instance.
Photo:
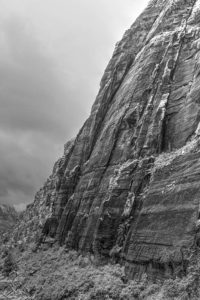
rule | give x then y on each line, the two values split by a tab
55	274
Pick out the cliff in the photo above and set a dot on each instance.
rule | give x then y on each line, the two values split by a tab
128	186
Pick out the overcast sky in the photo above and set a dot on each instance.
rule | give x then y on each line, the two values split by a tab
52	56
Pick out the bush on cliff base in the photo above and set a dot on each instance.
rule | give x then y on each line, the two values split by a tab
54	274
9	264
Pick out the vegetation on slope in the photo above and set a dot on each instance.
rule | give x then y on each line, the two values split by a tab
56	274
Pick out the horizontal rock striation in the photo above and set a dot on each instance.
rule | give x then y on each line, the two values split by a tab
128	186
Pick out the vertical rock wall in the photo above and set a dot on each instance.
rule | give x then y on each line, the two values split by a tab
128	185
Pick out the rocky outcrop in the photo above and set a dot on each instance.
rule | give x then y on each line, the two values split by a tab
8	217
128	186
47	202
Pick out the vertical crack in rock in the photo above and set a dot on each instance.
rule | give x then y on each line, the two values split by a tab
106	95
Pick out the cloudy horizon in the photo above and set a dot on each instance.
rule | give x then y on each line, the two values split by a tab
53	55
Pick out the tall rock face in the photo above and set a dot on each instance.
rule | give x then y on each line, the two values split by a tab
8	217
129	184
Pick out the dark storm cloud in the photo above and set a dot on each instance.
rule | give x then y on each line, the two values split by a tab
30	91
32	119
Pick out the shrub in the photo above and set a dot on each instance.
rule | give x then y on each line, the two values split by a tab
9	264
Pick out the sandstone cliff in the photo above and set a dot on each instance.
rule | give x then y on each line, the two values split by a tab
128	186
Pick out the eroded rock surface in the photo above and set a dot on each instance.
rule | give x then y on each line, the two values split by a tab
130	181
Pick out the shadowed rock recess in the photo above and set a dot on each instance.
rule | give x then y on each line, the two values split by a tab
128	186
